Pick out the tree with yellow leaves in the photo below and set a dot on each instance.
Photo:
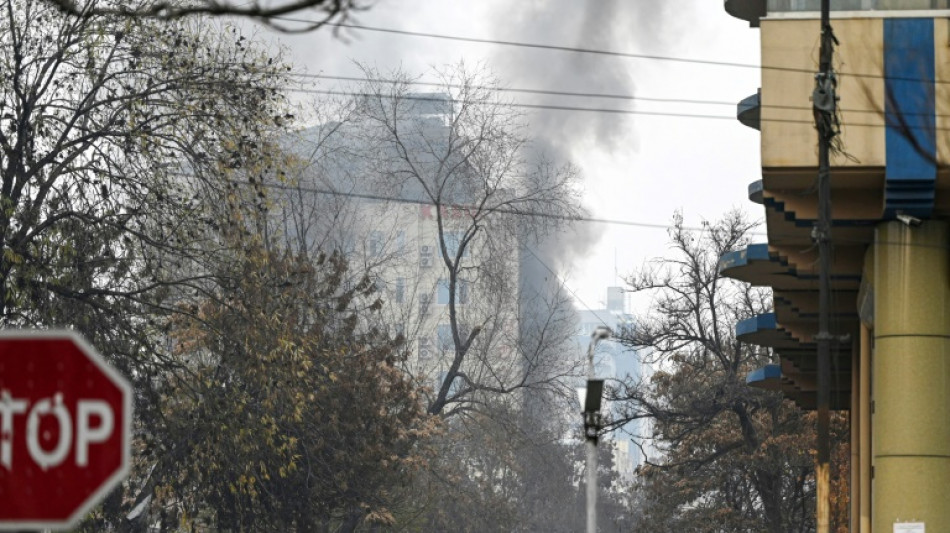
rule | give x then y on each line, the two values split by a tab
728	457
291	412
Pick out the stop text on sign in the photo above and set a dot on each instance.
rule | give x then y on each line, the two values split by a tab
93	422
65	429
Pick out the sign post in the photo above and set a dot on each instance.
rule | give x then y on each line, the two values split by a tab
65	429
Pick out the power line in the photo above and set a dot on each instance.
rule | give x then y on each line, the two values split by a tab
553	107
611	96
613	53
569	218
554	47
504	210
595	51
609	221
513	90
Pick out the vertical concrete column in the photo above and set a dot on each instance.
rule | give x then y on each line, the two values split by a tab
854	417
864	430
911	376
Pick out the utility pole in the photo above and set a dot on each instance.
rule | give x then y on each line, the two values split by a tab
592	425
824	102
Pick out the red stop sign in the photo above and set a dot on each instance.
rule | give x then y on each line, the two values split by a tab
65	428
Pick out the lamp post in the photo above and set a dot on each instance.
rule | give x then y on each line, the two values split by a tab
592	423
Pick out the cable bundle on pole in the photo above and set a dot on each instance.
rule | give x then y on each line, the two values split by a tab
824	101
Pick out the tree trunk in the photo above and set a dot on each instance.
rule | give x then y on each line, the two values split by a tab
767	486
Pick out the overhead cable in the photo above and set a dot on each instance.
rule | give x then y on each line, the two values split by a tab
553	107
596	51
549	92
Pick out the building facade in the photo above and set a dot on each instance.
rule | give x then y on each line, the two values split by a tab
890	194
347	194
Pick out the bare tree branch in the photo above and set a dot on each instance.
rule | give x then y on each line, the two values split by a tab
268	13
727	452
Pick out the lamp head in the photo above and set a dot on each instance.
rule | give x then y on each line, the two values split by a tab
594	397
600	333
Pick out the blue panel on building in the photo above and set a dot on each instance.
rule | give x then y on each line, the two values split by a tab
766	373
910	136
756	324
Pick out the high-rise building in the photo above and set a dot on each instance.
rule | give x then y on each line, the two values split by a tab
356	195
890	236
615	363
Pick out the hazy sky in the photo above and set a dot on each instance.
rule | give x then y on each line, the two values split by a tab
637	168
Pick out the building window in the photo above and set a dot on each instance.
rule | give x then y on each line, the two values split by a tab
445	339
446	342
462	296
442	294
347	245
461	292
376	243
401	241
400	290
453	240
856	5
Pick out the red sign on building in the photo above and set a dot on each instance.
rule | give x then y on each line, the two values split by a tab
65	429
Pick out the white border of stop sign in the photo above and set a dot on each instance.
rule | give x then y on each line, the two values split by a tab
123	425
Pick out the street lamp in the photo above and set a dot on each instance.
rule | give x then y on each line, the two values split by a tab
592	424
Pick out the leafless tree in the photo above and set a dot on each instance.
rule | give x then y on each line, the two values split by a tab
435	196
729	453
118	142
277	15
462	154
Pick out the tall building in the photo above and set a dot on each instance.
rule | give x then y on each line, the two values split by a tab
890	197
614	361
388	226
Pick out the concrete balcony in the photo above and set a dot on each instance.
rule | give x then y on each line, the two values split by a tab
757	266
769	377
756	192
748	10
796	376
799	387
787	269
749	111
763	330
